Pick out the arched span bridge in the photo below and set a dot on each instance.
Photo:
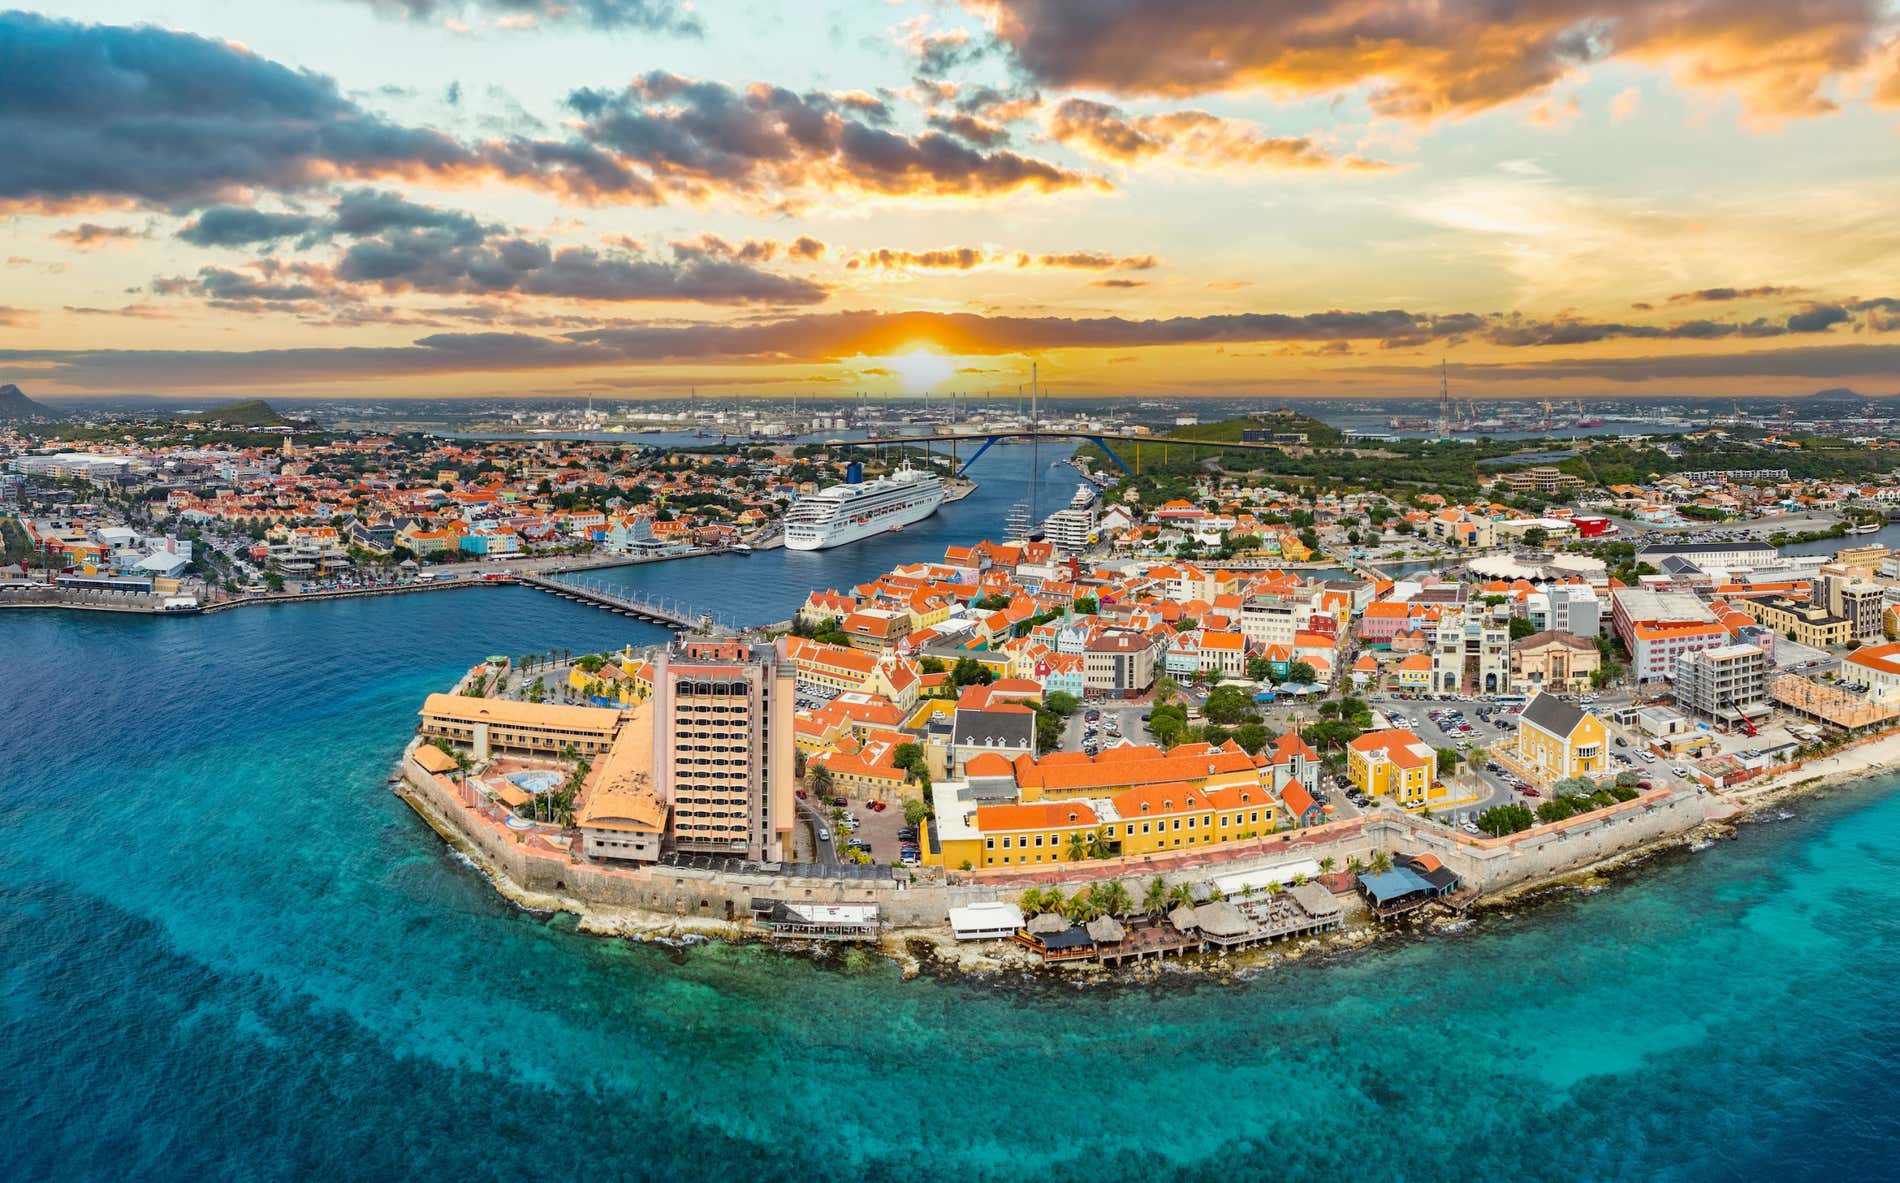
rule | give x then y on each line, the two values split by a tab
1101	439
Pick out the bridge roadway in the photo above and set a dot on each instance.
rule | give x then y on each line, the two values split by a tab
626	605
1101	439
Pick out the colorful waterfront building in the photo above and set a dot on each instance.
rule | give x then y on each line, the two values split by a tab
1558	739
1397	764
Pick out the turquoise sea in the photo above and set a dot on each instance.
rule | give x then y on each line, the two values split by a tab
229	953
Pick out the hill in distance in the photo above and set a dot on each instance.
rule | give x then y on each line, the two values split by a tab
15	405
252	412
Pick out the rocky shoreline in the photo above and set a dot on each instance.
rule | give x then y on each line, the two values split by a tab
931	951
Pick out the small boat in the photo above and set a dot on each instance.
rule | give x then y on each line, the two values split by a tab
742	548
1864	528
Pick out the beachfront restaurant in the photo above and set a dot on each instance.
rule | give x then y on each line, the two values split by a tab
993	921
815	922
1412	883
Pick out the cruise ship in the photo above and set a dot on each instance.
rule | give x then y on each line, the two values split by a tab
848	513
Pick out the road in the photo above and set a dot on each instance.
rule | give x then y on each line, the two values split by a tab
824	850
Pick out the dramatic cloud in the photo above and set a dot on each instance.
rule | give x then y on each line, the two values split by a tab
956	258
765	144
397	245
970	129
844	336
93	113
1421	60
1722	295
1089	261
873	334
90	235
1824	362
99	115
426	261
1517	331
1194	139
644	16
967	258
266	285
235	225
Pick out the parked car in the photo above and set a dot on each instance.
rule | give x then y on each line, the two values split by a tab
1530	792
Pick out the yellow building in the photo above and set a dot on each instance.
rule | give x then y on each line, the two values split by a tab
1558	739
1395	764
1148	820
1799	621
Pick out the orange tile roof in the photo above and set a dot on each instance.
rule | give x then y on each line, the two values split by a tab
1040	815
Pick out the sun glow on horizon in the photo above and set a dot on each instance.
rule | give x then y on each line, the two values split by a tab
919	369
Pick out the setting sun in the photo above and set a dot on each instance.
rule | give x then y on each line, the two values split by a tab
920	370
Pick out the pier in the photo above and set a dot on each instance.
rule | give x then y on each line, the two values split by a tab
670	613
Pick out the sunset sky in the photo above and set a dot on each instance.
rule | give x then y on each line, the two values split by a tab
555	197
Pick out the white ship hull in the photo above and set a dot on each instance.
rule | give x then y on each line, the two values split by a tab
801	537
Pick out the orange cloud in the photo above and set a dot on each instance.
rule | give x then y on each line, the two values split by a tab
88	236
1195	139
1424	61
965	258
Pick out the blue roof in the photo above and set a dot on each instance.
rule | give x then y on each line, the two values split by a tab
1394	884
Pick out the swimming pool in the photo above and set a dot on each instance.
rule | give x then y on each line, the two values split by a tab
539	780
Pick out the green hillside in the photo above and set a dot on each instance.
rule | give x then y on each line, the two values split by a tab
252	412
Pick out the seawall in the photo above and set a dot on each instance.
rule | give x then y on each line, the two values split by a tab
648	898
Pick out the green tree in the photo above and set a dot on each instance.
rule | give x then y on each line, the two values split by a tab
1447	761
1381	862
1302	672
1259	669
969	671
915	811
1251	737
1536	537
1048	732
1521	627
1500	820
819	781
1154	901
1228	705
1060	702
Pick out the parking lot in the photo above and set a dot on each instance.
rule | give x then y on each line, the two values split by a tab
1113	722
884	833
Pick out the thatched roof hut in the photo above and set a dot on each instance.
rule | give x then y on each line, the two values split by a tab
1106	930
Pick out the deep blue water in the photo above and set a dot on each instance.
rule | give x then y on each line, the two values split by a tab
230	953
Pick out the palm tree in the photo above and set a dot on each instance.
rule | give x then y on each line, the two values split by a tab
1274	887
1155	900
1099	846
1381	862
1078	846
1180	895
1115	898
1327	864
1299	879
1031	901
1215	893
1052	900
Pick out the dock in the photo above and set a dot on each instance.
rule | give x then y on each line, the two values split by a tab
668	613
